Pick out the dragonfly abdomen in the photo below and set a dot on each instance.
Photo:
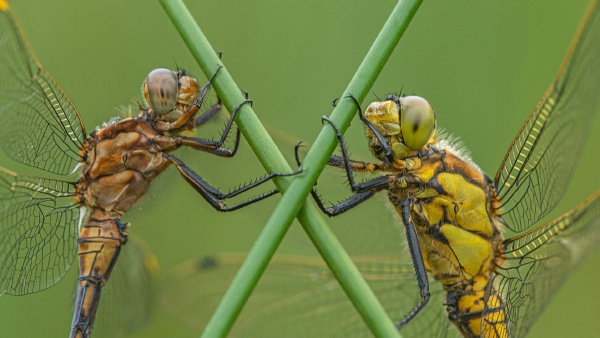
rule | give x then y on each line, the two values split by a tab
478	310
100	242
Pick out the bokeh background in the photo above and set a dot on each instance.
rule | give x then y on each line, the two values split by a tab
483	65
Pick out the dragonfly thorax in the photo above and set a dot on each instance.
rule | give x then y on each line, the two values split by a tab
122	159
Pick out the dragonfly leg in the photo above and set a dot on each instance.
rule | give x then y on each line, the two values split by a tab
215	108
183	122
339	162
214	196
367	189
208	114
212	111
214	147
206	88
343	206
346	162
417	257
357	166
389	154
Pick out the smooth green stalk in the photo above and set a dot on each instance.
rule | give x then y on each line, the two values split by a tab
292	201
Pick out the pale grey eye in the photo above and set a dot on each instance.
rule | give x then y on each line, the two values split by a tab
161	90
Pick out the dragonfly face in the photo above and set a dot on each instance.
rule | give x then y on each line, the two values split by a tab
407	123
169	92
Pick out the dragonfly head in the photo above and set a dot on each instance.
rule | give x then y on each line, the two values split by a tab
169	93
406	123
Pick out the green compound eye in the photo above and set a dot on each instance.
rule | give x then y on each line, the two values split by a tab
416	120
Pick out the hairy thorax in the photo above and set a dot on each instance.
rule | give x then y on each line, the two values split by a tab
121	160
458	231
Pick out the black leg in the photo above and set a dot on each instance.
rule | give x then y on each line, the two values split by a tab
208	114
229	124
185	122
343	206
212	195
296	153
416	255
389	154
356	187
204	91
214	147
338	162
369	188
357	166
345	156
215	108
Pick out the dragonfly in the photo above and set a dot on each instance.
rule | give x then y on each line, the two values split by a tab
46	222
493	262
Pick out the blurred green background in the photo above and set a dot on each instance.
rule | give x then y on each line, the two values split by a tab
483	65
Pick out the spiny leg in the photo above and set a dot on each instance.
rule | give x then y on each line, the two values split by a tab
208	114
389	154
416	254
204	91
214	147
357	166
214	196
356	187
215	108
193	108
378	184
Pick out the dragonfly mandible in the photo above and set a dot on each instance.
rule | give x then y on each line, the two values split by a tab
45	222
495	266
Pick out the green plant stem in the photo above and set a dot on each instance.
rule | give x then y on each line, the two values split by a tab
292	201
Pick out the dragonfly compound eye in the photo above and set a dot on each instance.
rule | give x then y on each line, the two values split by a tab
161	90
417	121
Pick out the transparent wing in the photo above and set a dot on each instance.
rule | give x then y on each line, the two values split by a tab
539	163
298	296
538	261
40	126
129	296
38	232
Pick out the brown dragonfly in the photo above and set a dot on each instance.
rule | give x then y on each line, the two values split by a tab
45	222
481	260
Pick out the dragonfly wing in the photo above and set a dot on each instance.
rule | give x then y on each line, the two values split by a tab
40	126
540	161
538	261
38	232
299	296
